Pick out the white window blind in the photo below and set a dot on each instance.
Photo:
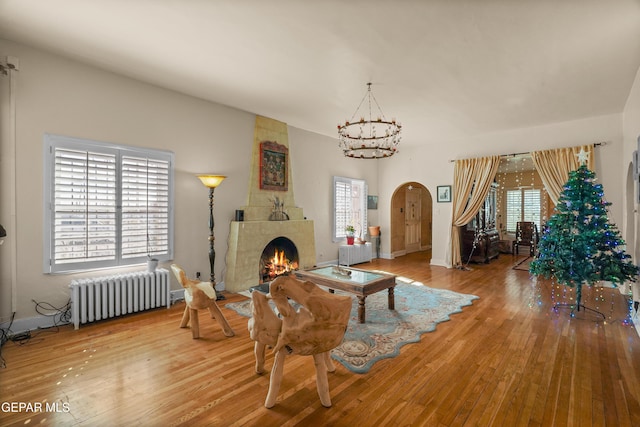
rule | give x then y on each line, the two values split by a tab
343	207
108	205
531	206
350	206
522	205
145	207
514	209
84	227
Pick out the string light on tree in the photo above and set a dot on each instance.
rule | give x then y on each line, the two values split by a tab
579	245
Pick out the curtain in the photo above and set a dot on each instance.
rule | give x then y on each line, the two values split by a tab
472	180
554	166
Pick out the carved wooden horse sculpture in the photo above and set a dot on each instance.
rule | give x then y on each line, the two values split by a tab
198	296
316	328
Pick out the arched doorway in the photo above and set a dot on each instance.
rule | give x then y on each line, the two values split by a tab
411	219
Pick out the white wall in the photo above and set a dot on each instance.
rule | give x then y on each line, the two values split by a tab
60	96
315	159
631	132
430	165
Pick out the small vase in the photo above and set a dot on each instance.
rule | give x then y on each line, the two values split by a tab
152	264
350	240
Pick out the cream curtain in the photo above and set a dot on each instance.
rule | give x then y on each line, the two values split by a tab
554	166
469	174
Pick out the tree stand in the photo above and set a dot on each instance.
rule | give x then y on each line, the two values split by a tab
577	305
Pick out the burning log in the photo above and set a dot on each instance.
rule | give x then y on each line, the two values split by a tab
277	265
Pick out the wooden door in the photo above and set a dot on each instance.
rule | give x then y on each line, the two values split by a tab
413	212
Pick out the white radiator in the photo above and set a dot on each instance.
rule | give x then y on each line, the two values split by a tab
111	296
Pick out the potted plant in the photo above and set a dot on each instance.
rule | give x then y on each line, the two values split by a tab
350	231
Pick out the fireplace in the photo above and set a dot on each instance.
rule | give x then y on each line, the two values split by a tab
279	257
248	240
270	217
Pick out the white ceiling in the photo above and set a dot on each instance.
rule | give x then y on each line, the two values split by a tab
445	69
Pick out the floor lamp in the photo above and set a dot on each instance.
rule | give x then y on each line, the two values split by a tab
211	182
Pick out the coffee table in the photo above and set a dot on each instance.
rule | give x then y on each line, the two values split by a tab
361	283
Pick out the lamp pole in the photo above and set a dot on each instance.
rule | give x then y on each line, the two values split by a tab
212	181
212	251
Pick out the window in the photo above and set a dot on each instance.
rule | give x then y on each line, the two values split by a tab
350	206
105	205
523	205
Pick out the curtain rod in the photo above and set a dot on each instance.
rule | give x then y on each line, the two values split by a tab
504	156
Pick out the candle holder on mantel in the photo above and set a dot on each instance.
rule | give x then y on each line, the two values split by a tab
211	182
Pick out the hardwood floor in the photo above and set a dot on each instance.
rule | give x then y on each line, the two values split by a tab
507	360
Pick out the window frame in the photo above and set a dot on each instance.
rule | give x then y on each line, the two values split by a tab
53	142
339	233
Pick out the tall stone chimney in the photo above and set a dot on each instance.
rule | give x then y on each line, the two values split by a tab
270	199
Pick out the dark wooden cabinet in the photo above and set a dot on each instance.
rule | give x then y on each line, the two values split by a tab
480	239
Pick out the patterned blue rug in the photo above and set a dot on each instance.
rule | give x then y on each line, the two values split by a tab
418	309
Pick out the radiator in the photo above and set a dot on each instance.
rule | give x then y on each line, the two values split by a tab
112	296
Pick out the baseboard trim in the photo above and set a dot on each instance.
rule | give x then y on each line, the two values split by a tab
27	324
177	295
21	326
440	263
398	253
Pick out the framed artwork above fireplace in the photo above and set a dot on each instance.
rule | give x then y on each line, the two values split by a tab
274	167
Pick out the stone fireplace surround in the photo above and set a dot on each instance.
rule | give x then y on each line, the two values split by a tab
249	238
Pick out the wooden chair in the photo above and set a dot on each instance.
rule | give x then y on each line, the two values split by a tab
526	235
199	296
316	328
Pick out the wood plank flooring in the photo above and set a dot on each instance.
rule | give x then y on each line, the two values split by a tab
507	360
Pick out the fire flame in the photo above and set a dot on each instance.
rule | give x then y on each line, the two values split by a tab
279	264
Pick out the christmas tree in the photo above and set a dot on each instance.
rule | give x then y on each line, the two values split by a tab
578	244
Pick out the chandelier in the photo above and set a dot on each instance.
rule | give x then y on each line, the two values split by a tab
369	138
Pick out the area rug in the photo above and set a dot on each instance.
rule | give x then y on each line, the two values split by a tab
418	309
523	264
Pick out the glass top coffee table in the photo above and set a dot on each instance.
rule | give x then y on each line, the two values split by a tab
359	282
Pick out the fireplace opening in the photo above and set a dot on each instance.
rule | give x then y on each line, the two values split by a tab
279	257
